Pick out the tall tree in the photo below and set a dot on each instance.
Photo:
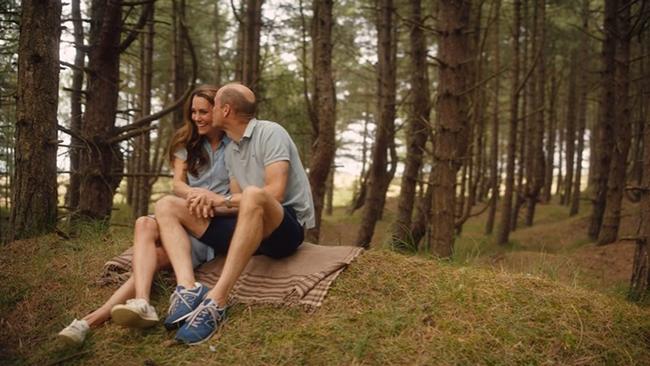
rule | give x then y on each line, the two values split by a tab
607	118
76	116
452	128
582	107
570	123
494	137
102	164
417	125
506	211
248	52
34	192
324	106
142	144
537	158
178	55
379	178
618	167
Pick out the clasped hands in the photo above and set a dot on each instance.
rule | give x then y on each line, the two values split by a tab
202	202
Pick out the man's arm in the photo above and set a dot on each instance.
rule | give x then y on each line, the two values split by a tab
275	183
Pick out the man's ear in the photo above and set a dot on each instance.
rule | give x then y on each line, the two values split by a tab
226	110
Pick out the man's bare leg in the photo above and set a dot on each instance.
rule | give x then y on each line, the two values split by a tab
173	218
259	215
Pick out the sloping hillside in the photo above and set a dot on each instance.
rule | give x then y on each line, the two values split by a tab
386	308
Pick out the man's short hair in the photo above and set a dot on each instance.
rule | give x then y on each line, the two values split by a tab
241	105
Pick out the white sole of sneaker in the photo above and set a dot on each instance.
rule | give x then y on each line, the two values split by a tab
127	318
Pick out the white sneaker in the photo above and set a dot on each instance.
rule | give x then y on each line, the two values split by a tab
75	333
136	313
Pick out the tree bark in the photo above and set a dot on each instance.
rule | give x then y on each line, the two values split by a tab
538	120
34	196
622	135
379	178
143	142
72	195
324	104
582	107
178	55
506	211
494	138
250	57
451	139
570	137
417	124
217	46
607	119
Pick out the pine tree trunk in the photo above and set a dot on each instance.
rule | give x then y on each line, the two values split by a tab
72	195
538	121
178	55
217	45
494	142
421	224
582	107
251	44
640	282
324	105
418	126
572	108
379	178
618	168
34	197
552	137
451	140
506	211
607	119
143	142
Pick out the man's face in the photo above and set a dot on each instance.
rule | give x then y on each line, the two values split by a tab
218	112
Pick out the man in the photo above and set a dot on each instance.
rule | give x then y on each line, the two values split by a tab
271	190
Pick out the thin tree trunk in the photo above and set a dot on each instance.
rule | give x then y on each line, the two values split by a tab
618	168
379	178
34	197
582	107
324	105
143	142
537	138
418	127
552	137
607	119
72	195
251	44
494	142
506	211
572	109
217	45
451	140
178	55
421	224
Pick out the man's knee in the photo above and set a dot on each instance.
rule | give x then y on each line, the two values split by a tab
252	198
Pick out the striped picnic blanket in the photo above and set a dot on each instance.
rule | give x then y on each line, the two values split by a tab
303	278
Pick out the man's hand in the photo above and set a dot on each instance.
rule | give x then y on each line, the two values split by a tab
199	202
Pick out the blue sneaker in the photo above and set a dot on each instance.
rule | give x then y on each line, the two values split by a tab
203	323
182	302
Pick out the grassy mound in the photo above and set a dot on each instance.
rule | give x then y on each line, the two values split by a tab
385	309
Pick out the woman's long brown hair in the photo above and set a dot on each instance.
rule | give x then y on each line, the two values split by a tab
188	136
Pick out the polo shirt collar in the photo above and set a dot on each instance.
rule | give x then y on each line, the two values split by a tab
250	128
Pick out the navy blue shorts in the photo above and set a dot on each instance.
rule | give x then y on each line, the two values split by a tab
282	242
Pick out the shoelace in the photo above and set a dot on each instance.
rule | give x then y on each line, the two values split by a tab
202	312
178	296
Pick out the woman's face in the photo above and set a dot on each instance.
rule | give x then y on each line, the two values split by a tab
202	115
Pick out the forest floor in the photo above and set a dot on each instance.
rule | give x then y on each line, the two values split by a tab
550	297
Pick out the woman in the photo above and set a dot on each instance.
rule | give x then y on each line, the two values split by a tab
196	155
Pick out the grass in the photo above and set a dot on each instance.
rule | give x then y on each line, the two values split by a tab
387	308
